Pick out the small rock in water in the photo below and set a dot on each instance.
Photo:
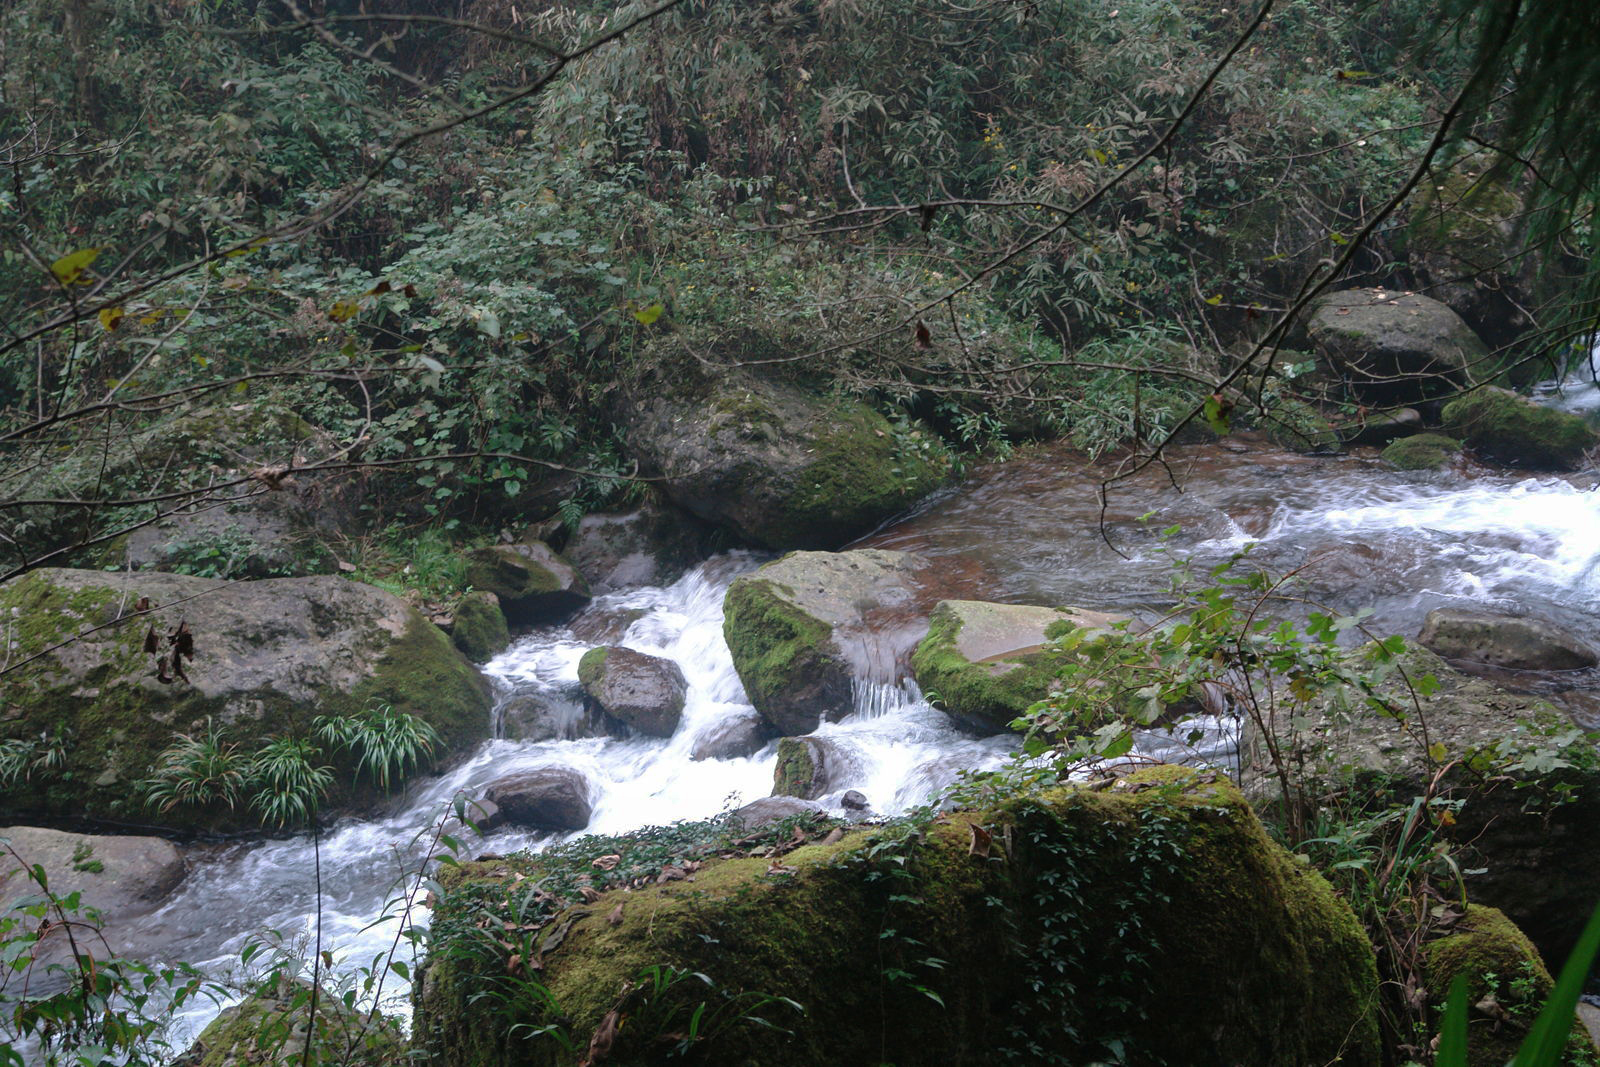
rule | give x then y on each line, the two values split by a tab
547	798
1504	641
759	813
854	800
736	737
645	692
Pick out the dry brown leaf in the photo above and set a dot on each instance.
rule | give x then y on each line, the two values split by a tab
615	918
607	863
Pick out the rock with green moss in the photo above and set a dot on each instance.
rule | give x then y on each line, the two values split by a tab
644	692
812	767
1392	347
986	663
1506	982
780	466
1512	429
479	626
802	628
534	583
933	943
1422	452
1530	779
269	656
272	1028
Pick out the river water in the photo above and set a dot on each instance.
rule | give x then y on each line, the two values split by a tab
1031	530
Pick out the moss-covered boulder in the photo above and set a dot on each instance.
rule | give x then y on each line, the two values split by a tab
1507	984
1517	642
1529	779
778	465
533	582
269	656
803	627
812	767
975	938
1422	452
272	1028
644	692
478	626
986	663
1392	347
1512	429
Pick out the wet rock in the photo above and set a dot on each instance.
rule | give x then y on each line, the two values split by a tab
541	714
1529	824
1393	347
1504	641
1381	427
789	629
119	875
1512	429
735	737
986	663
601	625
1422	452
547	798
854	800
812	767
479	626
652	545
645	692
535	584
778	466
269	656
759	813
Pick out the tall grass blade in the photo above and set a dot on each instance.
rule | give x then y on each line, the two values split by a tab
1548	1039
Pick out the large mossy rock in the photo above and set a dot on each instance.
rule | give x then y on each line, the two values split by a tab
1422	452
780	466
272	1028
1530	780
269	656
1239	955
1391	347
986	663
534	583
645	692
1512	429
793	629
479	627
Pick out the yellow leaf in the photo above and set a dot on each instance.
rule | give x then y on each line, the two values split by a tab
1436	752
111	318
650	314
69	269
344	311
152	317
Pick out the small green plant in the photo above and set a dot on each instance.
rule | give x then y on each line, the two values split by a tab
385	742
287	783
197	771
83	860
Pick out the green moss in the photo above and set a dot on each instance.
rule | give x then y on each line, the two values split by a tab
864	469
422	673
1158	909
795	770
986	695
508	574
1423	451
774	645
1461	216
479	630
1515	430
592	669
1507	984
271	1030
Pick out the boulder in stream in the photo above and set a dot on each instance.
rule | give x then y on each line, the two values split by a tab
545	798
798	630
758	813
269	657
533	582
1242	955
645	692
777	465
118	875
1422	452
985	663
478	627
1509	428
812	767
734	736
1393	347
654	544
1516	642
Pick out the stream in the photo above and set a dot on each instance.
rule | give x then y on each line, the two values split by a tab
1361	535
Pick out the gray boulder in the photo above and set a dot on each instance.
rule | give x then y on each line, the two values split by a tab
777	465
1504	641
547	798
118	875
1393	347
767	810
538	713
735	737
534	583
268	657
801	628
645	692
651	545
812	767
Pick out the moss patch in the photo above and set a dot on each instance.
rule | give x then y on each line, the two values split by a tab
1515	430
1424	451
985	696
796	769
480	629
783	655
1155	913
271	1029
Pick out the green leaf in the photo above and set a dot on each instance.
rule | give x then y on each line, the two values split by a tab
1437	752
648	315
69	269
1216	413
1452	1050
